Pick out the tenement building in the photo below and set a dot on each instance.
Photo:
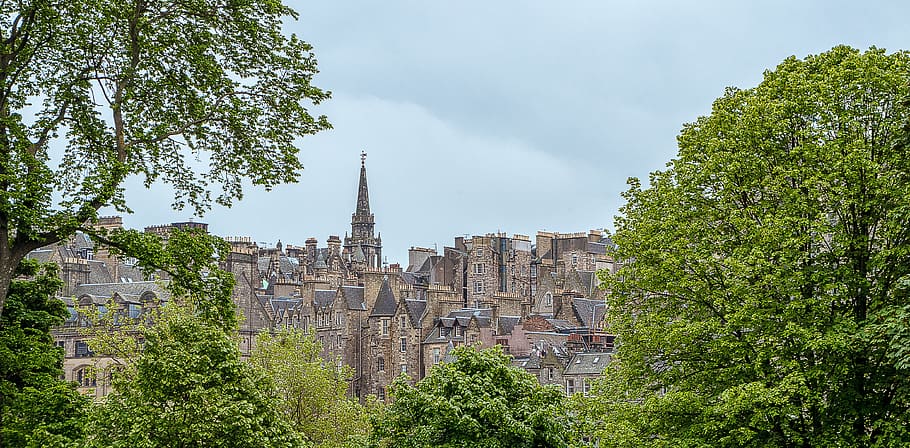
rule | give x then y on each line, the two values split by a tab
536	298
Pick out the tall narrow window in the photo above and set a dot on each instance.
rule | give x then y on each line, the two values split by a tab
404	345
380	364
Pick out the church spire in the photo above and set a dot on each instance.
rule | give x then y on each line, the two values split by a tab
362	238
363	194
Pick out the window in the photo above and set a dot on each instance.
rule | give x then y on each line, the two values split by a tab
404	345
533	270
61	344
339	319
478	268
548	299
82	350
586	386
380	364
455	330
306	323
574	259
404	368
133	310
478	287
85	377
478	253
436	354
385	327
402	322
549	374
570	386
381	393
338	341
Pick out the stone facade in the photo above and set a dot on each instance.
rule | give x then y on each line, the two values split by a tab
539	301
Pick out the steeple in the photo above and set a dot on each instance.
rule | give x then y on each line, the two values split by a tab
363	194
362	224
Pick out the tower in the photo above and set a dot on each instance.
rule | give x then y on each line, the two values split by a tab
362	239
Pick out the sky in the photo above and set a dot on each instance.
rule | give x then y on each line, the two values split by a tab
514	116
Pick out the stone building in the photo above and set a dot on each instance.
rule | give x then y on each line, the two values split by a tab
538	300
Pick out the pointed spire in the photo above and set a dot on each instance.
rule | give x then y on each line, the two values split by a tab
363	194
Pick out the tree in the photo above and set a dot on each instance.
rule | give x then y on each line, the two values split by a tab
768	267
37	408
200	95
189	388
477	400
309	391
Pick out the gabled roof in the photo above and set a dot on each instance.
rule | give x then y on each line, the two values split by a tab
589	312
416	309
588	364
285	306
507	324
385	300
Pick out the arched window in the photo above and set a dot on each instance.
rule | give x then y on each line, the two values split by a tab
85	377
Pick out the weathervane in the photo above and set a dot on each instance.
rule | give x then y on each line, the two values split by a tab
363	158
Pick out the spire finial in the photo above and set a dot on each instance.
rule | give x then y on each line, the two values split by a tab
363	158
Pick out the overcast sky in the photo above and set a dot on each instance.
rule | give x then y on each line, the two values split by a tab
515	116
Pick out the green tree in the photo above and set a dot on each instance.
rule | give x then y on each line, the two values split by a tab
189	387
478	400
37	409
199	95
310	391
767	268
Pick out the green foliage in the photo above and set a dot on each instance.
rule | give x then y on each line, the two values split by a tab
189	388
190	259
199	95
311	392
37	409
764	301
479	400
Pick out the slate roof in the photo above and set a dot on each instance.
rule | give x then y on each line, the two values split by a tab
82	241
588	364
385	301
415	308
596	248
561	324
98	272
588	280
320	262
107	290
507	324
129	273
589	312
42	255
353	297
323	297
358	256
285	306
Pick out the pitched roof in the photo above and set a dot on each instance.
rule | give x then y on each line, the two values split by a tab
415	308
323	297
507	324
107	290
353	297
385	300
589	312
588	364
